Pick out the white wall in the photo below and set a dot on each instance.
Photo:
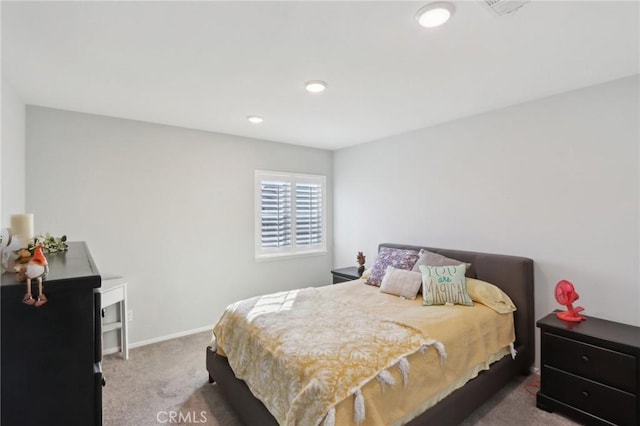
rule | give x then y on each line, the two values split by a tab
12	157
169	208
555	180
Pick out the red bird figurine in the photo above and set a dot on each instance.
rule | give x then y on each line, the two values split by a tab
37	268
566	295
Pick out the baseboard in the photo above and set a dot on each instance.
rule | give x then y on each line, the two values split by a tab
132	345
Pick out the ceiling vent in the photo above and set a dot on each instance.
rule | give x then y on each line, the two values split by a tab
505	7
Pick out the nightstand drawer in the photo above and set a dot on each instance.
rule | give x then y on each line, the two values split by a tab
591	362
602	401
337	279
345	274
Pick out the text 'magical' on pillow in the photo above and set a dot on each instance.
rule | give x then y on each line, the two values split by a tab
444	284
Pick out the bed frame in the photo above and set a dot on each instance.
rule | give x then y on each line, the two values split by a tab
514	275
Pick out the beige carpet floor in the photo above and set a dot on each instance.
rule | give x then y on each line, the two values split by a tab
170	379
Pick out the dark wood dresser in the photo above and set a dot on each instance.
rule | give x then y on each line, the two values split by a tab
50	355
590	370
342	275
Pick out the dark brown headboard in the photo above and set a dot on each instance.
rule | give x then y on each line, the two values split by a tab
514	275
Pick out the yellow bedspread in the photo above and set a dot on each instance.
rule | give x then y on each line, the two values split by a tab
301	352
473	337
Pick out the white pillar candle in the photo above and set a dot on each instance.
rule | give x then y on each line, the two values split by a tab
22	226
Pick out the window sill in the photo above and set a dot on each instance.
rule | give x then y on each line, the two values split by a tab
282	256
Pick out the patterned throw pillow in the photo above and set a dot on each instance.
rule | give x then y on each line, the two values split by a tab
387	256
444	284
401	282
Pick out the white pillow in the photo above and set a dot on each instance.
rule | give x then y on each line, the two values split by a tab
401	282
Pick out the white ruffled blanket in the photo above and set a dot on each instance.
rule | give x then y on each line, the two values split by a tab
301	352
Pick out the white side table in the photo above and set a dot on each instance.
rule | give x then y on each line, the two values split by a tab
114	290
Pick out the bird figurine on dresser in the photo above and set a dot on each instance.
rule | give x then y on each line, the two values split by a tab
37	268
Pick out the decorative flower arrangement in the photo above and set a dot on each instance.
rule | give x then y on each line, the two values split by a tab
361	259
50	244
16	254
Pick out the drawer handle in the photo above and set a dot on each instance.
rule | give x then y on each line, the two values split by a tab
584	358
585	394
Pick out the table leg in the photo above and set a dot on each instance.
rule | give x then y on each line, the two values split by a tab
124	334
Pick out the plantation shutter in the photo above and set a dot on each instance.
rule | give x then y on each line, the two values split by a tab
308	214
275	203
290	214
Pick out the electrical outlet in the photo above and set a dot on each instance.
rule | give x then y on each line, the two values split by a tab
130	315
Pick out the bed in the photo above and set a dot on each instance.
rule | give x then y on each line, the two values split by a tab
514	275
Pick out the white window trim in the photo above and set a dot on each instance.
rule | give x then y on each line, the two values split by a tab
263	254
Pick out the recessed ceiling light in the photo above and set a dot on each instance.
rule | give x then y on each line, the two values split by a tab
315	86
254	119
434	14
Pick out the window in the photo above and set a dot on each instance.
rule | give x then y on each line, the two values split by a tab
290	214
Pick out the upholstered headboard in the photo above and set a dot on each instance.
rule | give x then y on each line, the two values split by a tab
514	275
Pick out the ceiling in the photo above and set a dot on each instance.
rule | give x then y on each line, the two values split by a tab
208	65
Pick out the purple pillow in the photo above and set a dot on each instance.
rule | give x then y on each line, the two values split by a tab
387	256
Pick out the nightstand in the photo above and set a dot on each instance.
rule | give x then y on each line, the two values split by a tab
590	370
345	274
